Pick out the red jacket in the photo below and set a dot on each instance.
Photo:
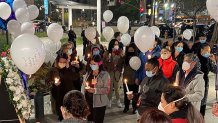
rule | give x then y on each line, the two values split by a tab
167	66
179	120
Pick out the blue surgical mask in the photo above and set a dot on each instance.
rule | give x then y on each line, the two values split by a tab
179	49
94	67
149	74
97	52
202	41
206	55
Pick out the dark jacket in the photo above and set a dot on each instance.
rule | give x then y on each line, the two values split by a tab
196	48
169	68
150	91
179	59
72	36
74	121
179	116
85	40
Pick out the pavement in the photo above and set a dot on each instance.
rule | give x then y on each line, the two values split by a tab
115	114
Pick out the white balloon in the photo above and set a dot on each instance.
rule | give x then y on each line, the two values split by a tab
22	15
108	33
19	4
34	11
55	32
187	34
144	38
212	7
123	24
28	53
156	30
90	33
135	62
126	39
5	10
14	28
27	27
108	15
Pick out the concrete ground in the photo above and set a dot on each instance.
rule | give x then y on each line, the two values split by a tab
115	114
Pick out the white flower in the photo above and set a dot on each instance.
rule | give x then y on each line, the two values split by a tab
12	88
25	103
25	115
16	98
7	65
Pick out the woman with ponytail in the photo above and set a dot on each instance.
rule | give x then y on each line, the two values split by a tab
176	105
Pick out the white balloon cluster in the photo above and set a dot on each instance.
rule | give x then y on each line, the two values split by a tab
24	15
108	32
27	50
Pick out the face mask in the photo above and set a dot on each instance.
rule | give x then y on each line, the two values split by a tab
116	47
186	66
202	41
149	74
164	56
97	52
70	51
131	53
61	65
161	108
206	55
94	67
179	49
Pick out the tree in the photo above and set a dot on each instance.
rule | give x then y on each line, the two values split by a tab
191	8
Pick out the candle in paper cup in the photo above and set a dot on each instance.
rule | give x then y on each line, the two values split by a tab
149	56
87	86
127	88
56	80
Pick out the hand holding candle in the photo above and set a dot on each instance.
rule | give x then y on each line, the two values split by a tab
127	88
87	86
149	56
56	80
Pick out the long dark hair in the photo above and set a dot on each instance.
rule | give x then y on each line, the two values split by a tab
154	115
172	93
128	55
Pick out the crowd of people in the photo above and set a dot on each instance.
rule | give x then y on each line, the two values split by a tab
171	85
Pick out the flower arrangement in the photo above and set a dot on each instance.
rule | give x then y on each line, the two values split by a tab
17	95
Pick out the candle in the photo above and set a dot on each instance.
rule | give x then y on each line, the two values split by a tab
88	55
175	84
56	80
149	56
76	58
127	88
87	84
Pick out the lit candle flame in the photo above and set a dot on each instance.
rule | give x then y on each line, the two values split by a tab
88	55
87	84
175	84
76	58
125	81
149	56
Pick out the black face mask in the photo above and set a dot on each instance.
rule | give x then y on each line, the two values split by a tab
131	53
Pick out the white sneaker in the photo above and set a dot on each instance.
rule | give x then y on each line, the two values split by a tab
109	105
119	104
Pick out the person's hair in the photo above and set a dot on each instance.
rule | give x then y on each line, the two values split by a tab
191	56
116	34
158	40
165	48
153	61
97	58
62	55
75	103
174	45
154	115
205	45
172	93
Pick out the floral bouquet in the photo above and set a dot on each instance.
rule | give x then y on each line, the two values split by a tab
10	75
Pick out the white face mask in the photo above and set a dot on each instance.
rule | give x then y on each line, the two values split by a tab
116	47
70	52
186	66
160	107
